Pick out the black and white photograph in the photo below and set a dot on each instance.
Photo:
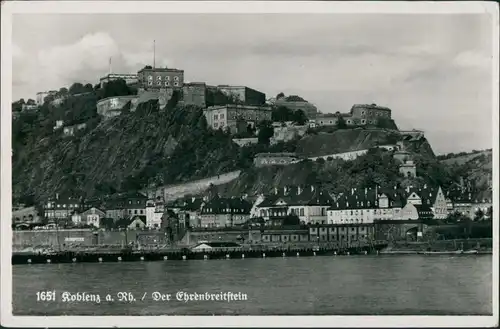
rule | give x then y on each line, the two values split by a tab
334	162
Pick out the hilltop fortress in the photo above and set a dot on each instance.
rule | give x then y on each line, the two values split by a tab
228	107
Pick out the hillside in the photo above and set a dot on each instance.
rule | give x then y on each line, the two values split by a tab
376	168
345	140
150	148
143	148
474	169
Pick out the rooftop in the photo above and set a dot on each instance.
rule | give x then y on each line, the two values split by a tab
159	69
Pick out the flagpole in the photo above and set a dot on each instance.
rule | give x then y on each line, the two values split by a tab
154	54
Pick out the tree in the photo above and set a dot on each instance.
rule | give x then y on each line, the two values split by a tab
341	124
76	88
299	117
280	95
455	217
266	131
31	102
478	215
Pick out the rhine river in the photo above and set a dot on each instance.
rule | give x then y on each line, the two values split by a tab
336	285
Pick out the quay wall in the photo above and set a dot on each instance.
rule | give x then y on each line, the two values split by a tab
194	237
55	238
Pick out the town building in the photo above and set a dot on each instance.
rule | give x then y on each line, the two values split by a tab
190	211
431	197
225	212
25	215
243	94
154	213
236	118
309	204
408	169
275	159
91	216
62	207
112	106
137	222
413	211
129	78
40	96
160	78
125	205
364	206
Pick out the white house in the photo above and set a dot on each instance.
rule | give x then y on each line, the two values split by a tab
154	213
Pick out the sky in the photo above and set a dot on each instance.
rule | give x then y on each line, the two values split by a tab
433	70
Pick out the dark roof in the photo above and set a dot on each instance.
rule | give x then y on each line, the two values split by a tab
424	211
142	218
220	205
296	195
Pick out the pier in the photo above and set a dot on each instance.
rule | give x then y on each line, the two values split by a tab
138	256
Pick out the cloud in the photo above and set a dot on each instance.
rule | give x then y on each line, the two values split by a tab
472	59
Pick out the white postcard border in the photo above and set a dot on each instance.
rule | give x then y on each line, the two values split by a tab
10	8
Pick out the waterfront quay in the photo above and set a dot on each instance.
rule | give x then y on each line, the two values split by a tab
186	254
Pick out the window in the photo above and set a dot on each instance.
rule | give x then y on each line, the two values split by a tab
159	83
158	77
135	212
150	83
301	211
216	117
176	84
167	83
222	116
176	78
216	125
150	77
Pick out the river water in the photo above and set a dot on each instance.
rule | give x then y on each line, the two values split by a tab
337	285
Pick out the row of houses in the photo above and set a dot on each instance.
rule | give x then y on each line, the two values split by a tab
309	204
